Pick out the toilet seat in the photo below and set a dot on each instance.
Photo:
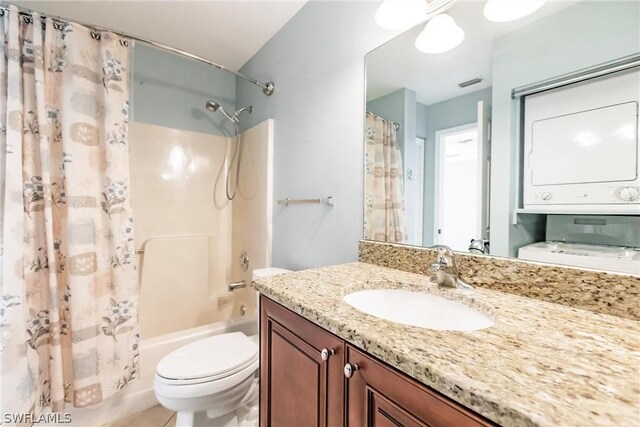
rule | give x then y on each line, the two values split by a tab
210	359
249	367
180	390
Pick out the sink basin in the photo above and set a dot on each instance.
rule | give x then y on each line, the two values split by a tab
418	309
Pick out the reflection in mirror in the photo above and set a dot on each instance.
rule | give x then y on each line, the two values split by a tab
519	139
384	216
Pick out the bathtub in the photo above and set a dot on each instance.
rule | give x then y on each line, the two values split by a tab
139	395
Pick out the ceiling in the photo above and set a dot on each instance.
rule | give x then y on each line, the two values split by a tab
435	78
226	32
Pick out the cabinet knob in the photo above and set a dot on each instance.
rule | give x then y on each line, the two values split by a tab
350	369
326	353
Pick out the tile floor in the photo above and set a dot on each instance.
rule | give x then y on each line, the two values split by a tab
157	416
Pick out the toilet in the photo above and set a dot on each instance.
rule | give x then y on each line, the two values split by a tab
213	381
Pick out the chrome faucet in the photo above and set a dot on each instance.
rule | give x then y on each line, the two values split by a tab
446	273
479	246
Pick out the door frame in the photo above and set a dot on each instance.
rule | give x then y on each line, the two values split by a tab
439	139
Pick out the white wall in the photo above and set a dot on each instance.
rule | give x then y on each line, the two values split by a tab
191	234
253	210
579	36
186	237
317	63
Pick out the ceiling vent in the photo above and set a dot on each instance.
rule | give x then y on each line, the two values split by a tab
470	82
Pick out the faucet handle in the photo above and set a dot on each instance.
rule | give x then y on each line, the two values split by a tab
444	255
435	267
444	260
447	274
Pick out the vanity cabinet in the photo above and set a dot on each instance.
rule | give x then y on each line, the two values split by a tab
301	379
380	396
310	377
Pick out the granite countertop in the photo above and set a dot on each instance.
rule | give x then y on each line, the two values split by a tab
542	364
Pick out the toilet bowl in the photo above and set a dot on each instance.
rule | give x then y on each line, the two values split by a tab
213	381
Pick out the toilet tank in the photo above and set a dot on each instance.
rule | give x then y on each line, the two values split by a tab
260	273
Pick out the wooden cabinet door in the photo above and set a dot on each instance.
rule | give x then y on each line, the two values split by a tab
379	396
297	387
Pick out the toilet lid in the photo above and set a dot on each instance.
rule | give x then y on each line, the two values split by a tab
214	357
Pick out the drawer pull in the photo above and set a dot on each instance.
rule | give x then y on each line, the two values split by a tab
326	353
350	369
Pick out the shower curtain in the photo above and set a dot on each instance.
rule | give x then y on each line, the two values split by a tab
384	194
69	290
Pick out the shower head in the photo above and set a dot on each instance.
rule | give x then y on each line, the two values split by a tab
212	106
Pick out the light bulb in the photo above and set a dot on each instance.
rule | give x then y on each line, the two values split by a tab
401	14
439	35
510	10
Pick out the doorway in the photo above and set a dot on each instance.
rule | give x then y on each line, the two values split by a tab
456	186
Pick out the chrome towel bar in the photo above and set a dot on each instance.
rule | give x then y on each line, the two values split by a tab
331	201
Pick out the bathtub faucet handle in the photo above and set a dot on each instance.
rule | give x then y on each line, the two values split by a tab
237	285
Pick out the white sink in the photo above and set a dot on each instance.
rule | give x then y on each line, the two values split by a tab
418	309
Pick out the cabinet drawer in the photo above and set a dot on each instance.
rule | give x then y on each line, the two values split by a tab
379	396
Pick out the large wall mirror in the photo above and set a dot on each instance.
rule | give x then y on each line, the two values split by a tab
514	138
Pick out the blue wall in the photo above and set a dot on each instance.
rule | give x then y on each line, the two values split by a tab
421	120
170	90
317	63
396	107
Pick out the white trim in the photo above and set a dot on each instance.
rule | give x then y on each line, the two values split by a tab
440	134
418	214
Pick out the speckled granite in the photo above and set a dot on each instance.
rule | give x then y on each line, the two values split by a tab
600	292
541	364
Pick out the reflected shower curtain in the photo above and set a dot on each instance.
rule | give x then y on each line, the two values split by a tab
69	290
384	195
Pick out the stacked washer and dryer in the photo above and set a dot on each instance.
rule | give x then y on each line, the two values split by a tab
582	167
213	381
609	243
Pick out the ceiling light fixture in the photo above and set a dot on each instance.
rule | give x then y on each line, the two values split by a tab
510	10
401	14
439	35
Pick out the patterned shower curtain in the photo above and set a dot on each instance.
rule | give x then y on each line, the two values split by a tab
69	290
384	193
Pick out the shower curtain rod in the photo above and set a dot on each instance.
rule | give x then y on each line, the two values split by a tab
396	125
267	88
